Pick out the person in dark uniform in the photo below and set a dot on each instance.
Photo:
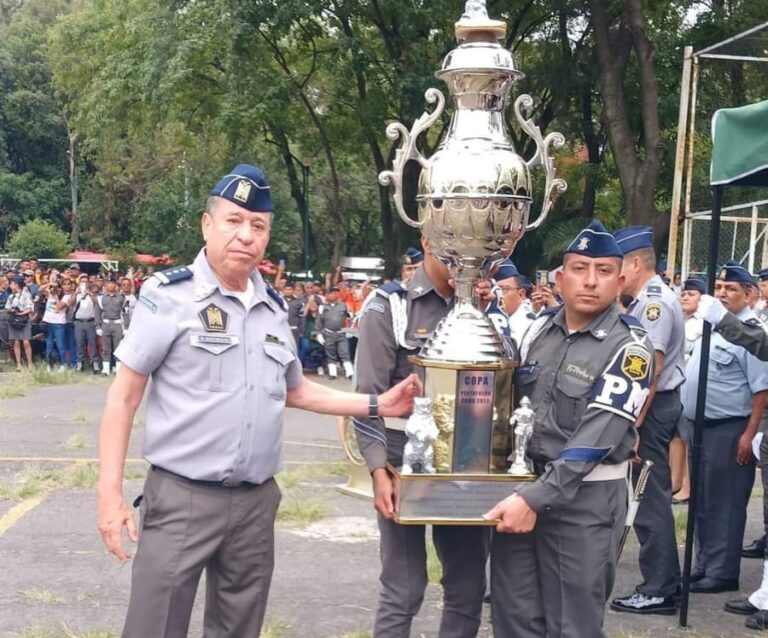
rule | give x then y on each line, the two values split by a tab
215	340
587	371
332	318
727	470
396	321
658	309
295	312
110	323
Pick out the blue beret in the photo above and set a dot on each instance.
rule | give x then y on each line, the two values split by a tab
734	271
634	238
694	283
594	241
763	275
413	256
506	270
246	186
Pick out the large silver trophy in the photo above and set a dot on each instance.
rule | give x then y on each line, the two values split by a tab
474	198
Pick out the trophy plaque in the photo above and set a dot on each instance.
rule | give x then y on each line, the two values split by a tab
473	203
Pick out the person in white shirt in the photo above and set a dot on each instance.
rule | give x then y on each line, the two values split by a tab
55	318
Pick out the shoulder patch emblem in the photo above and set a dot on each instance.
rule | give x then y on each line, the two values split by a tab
635	363
214	318
375	306
653	311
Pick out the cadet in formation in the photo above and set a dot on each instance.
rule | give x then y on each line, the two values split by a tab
587	370
396	320
216	342
332	318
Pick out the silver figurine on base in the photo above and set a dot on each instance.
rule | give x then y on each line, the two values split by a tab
521	423
422	432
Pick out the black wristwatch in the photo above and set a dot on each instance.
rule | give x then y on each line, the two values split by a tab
373	406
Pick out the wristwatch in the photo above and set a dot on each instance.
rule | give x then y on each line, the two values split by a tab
373	406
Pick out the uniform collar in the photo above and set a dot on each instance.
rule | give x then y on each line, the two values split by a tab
206	282
598	327
420	285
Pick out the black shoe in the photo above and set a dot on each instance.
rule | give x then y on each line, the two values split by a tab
708	585
742	606
637	603
756	549
758	620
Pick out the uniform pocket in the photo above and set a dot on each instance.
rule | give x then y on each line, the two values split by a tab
276	360
219	354
570	401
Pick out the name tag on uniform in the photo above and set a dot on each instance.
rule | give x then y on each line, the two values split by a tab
274	339
215	344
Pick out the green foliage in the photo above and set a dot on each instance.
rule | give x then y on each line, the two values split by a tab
41	239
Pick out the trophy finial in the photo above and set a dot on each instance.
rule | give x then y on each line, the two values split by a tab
476	24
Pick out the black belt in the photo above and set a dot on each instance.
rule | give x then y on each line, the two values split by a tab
711	423
218	484
85	320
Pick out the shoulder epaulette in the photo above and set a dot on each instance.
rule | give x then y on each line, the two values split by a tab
174	275
391	288
631	322
654	291
276	297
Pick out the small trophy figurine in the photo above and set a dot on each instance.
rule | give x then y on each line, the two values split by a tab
421	431
522	421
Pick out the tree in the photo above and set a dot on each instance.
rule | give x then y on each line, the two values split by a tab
39	239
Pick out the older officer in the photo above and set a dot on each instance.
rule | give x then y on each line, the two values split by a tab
396	320
587	370
727	463
659	311
331	320
216	342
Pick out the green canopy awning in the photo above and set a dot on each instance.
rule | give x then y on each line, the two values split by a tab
740	146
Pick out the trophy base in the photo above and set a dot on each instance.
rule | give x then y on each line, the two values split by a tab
451	499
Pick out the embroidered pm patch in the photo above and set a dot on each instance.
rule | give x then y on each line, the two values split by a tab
623	387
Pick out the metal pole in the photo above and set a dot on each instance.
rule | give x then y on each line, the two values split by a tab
305	170
752	240
701	398
677	182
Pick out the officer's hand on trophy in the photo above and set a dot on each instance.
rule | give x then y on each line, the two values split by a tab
744	450
514	516
483	292
114	514
711	310
398	400
383	493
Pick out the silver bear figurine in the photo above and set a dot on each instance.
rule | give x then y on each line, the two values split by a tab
421	431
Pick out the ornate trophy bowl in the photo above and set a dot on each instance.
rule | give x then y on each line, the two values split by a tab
473	201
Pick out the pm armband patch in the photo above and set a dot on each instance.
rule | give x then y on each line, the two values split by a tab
624	386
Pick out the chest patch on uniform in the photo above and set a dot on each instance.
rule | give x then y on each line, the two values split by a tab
635	363
653	311
148	303
214	318
421	333
579	373
273	339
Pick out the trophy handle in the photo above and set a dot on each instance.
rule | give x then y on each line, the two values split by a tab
542	157
408	151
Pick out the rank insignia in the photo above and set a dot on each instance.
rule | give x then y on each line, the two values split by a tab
243	191
653	311
635	363
214	319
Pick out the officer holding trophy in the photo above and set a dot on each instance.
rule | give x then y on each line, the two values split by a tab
586	370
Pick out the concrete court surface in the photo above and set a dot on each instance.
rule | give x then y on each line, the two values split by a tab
56	581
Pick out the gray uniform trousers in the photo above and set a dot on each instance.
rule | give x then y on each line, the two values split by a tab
555	581
113	335
655	522
187	527
85	334
463	553
723	495
336	346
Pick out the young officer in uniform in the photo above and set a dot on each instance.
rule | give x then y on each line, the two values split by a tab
396	321
110	323
737	389
587	371
216	342
658	309
295	312
410	262
331	320
507	309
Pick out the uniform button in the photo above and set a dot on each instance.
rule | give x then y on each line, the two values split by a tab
250	387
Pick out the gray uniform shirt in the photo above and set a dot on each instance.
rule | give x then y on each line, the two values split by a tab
296	314
111	306
219	377
332	316
658	309
381	362
587	389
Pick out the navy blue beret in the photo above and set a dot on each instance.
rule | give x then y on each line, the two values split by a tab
246	186
734	271
634	238
763	275
694	283
413	256
595	241
506	270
